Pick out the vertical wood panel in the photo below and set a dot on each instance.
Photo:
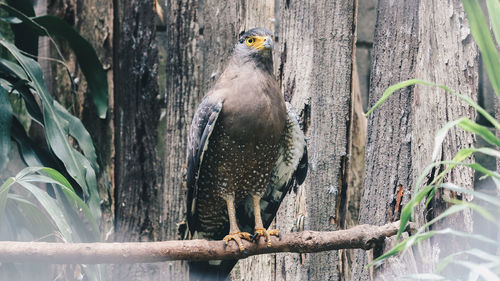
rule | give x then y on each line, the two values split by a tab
316	48
138	172
413	40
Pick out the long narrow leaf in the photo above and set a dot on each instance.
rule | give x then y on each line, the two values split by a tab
80	134
50	205
479	130
4	191
424	276
476	194
467	125
28	215
481	32
480	270
389	91
493	11
478	209
75	201
407	211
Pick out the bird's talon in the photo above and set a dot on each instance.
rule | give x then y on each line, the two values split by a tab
236	236
262	232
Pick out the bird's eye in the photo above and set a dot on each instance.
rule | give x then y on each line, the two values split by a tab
250	41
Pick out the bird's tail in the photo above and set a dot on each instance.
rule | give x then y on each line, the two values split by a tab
205	271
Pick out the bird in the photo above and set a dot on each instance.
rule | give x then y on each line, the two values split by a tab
246	149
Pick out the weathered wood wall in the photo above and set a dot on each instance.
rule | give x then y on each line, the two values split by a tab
413	42
142	141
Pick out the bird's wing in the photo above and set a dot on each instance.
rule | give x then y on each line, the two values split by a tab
289	171
201	128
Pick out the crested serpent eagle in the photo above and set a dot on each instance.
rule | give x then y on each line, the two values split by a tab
245	151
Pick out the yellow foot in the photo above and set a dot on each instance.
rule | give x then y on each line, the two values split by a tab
262	232
236	236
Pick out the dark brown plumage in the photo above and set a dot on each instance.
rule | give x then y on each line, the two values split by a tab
244	149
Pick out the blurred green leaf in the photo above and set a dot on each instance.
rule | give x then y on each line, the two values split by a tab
477	195
4	191
449	211
50	205
480	269
73	199
5	124
389	91
480	210
494	10
425	276
27	215
479	130
481	32
26	148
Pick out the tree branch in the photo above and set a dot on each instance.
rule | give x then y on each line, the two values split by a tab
358	237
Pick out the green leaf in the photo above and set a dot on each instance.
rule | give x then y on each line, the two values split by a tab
450	211
484	255
56	131
481	32
494	10
480	130
5	124
79	133
26	148
478	209
425	276
50	205
4	191
407	211
12	20
388	92
480	270
75	201
13	69
477	237
478	195
467	125
30	216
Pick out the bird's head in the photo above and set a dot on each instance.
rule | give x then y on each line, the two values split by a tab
255	44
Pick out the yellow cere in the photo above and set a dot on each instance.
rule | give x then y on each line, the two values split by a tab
256	42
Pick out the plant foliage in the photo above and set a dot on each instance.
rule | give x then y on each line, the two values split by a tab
40	202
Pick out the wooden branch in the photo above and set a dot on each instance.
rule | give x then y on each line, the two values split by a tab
358	237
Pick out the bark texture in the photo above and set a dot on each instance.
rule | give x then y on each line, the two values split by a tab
314	69
414	41
138	174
